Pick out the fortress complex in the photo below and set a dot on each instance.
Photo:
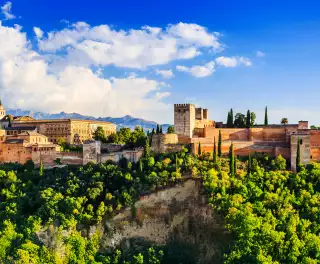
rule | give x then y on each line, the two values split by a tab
192	126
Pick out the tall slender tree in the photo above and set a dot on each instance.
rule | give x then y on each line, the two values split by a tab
220	144
214	151
199	149
158	129
147	148
229	121
41	168
298	164
249	168
234	164
231	117
266	116
248	119
231	160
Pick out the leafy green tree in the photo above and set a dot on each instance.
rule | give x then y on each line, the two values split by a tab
220	144
248	119
170	130
266	116
99	135
239	120
280	163
284	120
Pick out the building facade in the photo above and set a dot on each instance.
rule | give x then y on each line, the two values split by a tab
71	130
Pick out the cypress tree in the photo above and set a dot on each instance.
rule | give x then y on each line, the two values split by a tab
160	130
214	151
248	120
147	149
199	149
220	145
140	165
249	164
266	116
231	160
235	164
41	168
298	157
231	118
229	121
152	131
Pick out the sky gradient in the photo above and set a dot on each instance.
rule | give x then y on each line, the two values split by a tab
112	58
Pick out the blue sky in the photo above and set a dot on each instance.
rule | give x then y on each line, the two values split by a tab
239	54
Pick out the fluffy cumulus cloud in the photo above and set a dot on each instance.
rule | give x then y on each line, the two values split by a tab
136	48
260	54
231	62
167	74
28	81
38	32
6	11
198	71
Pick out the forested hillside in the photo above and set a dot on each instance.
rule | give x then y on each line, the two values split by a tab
272	214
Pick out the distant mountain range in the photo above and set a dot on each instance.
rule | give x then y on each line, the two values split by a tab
126	121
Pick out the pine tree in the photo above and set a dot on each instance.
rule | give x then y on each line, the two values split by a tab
298	165
199	149
248	120
158	129
231	118
266	116
231	160
41	168
147	149
214	152
220	145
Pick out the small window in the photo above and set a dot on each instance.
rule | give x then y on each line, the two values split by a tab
300	141
311	157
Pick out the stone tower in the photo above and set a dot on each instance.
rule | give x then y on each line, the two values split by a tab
2	110
184	119
305	154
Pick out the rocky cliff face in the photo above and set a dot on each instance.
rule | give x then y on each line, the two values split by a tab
179	218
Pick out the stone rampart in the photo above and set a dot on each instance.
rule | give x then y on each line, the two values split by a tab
159	142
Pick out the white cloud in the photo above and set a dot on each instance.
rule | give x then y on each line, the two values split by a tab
38	32
167	74
260	54
6	11
198	71
28	81
102	45
232	61
161	95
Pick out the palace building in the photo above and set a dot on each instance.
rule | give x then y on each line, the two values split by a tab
73	131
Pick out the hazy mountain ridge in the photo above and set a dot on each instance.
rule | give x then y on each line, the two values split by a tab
125	121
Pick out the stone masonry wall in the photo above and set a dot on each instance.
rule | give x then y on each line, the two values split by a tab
184	119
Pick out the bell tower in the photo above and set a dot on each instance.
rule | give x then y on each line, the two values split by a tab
2	110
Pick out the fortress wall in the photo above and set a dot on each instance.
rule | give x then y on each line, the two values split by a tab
274	134
159	141
283	151
227	133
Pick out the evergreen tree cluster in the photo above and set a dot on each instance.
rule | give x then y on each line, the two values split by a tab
240	120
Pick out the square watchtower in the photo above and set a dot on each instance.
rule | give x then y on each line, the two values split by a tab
184	119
